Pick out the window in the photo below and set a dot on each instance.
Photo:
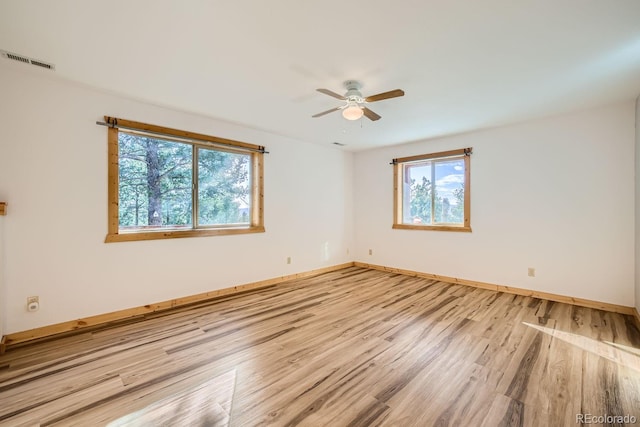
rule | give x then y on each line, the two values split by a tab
432	191
165	183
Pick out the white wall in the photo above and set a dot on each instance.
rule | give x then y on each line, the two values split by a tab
53	173
637	257
555	194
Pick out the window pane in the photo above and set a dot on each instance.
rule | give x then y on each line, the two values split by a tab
224	187
155	183
417	194
449	191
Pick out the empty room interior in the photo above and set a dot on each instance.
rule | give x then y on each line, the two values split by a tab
319	213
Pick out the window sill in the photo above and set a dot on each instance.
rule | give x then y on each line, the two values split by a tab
175	234
432	227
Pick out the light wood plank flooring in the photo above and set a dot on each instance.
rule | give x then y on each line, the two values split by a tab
354	347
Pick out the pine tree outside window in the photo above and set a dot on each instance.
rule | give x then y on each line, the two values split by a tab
165	183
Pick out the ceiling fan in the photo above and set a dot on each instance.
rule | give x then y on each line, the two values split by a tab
354	107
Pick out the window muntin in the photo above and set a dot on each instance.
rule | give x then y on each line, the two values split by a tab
166	187
432	191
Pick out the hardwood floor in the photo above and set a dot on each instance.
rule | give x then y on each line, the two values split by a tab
354	347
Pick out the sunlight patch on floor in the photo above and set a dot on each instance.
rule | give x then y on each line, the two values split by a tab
623	355
207	404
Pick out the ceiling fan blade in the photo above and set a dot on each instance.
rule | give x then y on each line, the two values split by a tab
331	93
370	114
327	112
385	95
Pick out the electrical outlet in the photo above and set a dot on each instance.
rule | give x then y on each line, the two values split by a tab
531	272
288	260
33	303
370	251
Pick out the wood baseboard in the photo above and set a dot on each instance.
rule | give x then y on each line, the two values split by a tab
102	320
509	290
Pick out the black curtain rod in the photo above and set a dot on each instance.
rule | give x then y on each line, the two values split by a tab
216	144
467	152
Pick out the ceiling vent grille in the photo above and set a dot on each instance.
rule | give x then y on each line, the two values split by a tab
27	60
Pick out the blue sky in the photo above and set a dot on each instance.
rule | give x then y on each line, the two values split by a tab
449	176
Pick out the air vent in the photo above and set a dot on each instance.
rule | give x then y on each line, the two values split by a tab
16	57
43	64
27	60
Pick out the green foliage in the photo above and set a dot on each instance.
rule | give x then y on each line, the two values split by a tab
420	196
223	187
457	210
424	193
156	181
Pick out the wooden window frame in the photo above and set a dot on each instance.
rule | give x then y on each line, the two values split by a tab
398	182
197	140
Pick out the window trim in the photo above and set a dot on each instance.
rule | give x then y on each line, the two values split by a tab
257	161
398	163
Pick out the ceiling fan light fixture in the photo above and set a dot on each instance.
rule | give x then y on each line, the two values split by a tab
352	112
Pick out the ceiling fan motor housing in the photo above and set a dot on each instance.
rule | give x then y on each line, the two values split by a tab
353	91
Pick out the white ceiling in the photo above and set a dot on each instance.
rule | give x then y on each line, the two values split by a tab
464	64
